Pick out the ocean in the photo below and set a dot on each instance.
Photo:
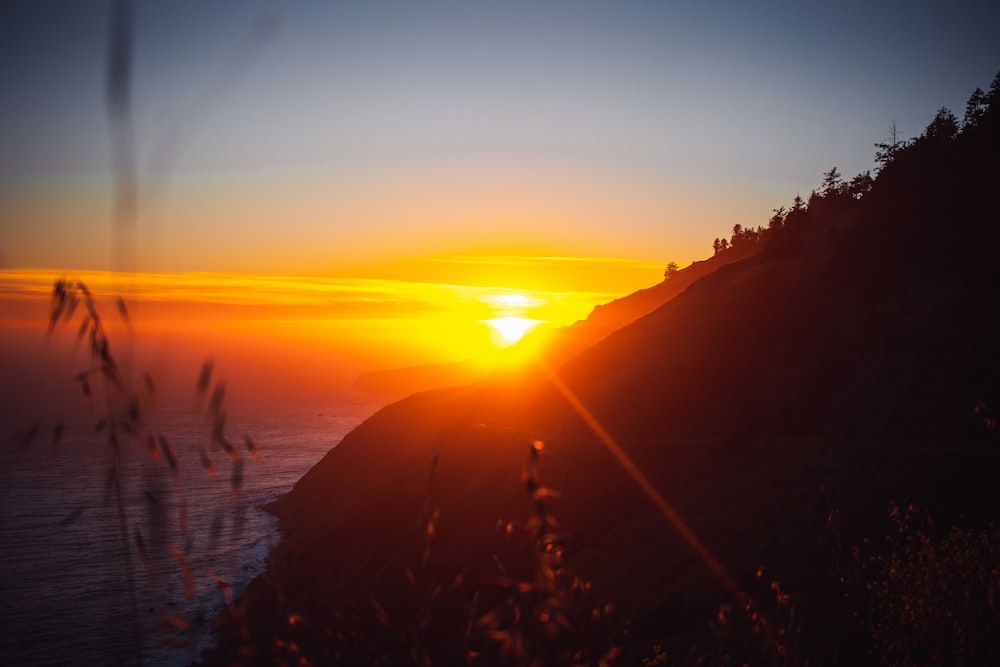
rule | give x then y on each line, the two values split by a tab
77	588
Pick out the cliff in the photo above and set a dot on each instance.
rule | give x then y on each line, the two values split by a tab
773	409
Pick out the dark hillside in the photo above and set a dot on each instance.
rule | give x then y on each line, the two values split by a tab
778	405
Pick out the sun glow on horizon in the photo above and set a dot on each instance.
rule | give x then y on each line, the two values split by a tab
510	329
377	322
515	314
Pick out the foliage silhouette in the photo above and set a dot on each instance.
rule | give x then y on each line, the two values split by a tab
847	351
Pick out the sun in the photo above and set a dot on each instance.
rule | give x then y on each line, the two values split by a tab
511	329
511	316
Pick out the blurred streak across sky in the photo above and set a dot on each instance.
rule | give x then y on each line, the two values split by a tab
319	137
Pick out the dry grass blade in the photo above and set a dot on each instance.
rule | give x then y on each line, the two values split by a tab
88	394
147	380
59	295
228	448
82	331
115	446
207	463
205	376
218	395
74	301
215	532
219	427
135	412
251	447
227	593
186	571
168	454
140	545
30	435
123	310
173	621
236	481
108	365
57	432
235	610
154	453
182	512
109	481
380	613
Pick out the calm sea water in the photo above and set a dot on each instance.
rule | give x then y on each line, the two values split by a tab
76	591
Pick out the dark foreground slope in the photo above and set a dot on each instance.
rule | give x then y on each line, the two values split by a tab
778	405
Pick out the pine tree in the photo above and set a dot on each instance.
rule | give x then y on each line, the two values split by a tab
832	183
975	109
943	128
886	152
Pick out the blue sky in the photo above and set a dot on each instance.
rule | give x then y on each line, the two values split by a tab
348	133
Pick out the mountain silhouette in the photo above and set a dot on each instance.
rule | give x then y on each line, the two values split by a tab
777	404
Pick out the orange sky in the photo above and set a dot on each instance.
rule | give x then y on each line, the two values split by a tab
440	313
433	144
421	161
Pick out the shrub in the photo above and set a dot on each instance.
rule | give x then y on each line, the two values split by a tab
933	600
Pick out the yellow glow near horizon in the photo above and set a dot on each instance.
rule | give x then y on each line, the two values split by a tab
385	322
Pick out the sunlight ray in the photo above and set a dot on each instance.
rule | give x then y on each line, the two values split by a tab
661	503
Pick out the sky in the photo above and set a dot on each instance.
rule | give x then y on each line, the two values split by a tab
359	323
373	139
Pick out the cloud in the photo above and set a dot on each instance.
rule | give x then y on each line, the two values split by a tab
213	296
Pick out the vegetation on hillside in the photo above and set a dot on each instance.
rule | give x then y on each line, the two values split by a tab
901	163
778	403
